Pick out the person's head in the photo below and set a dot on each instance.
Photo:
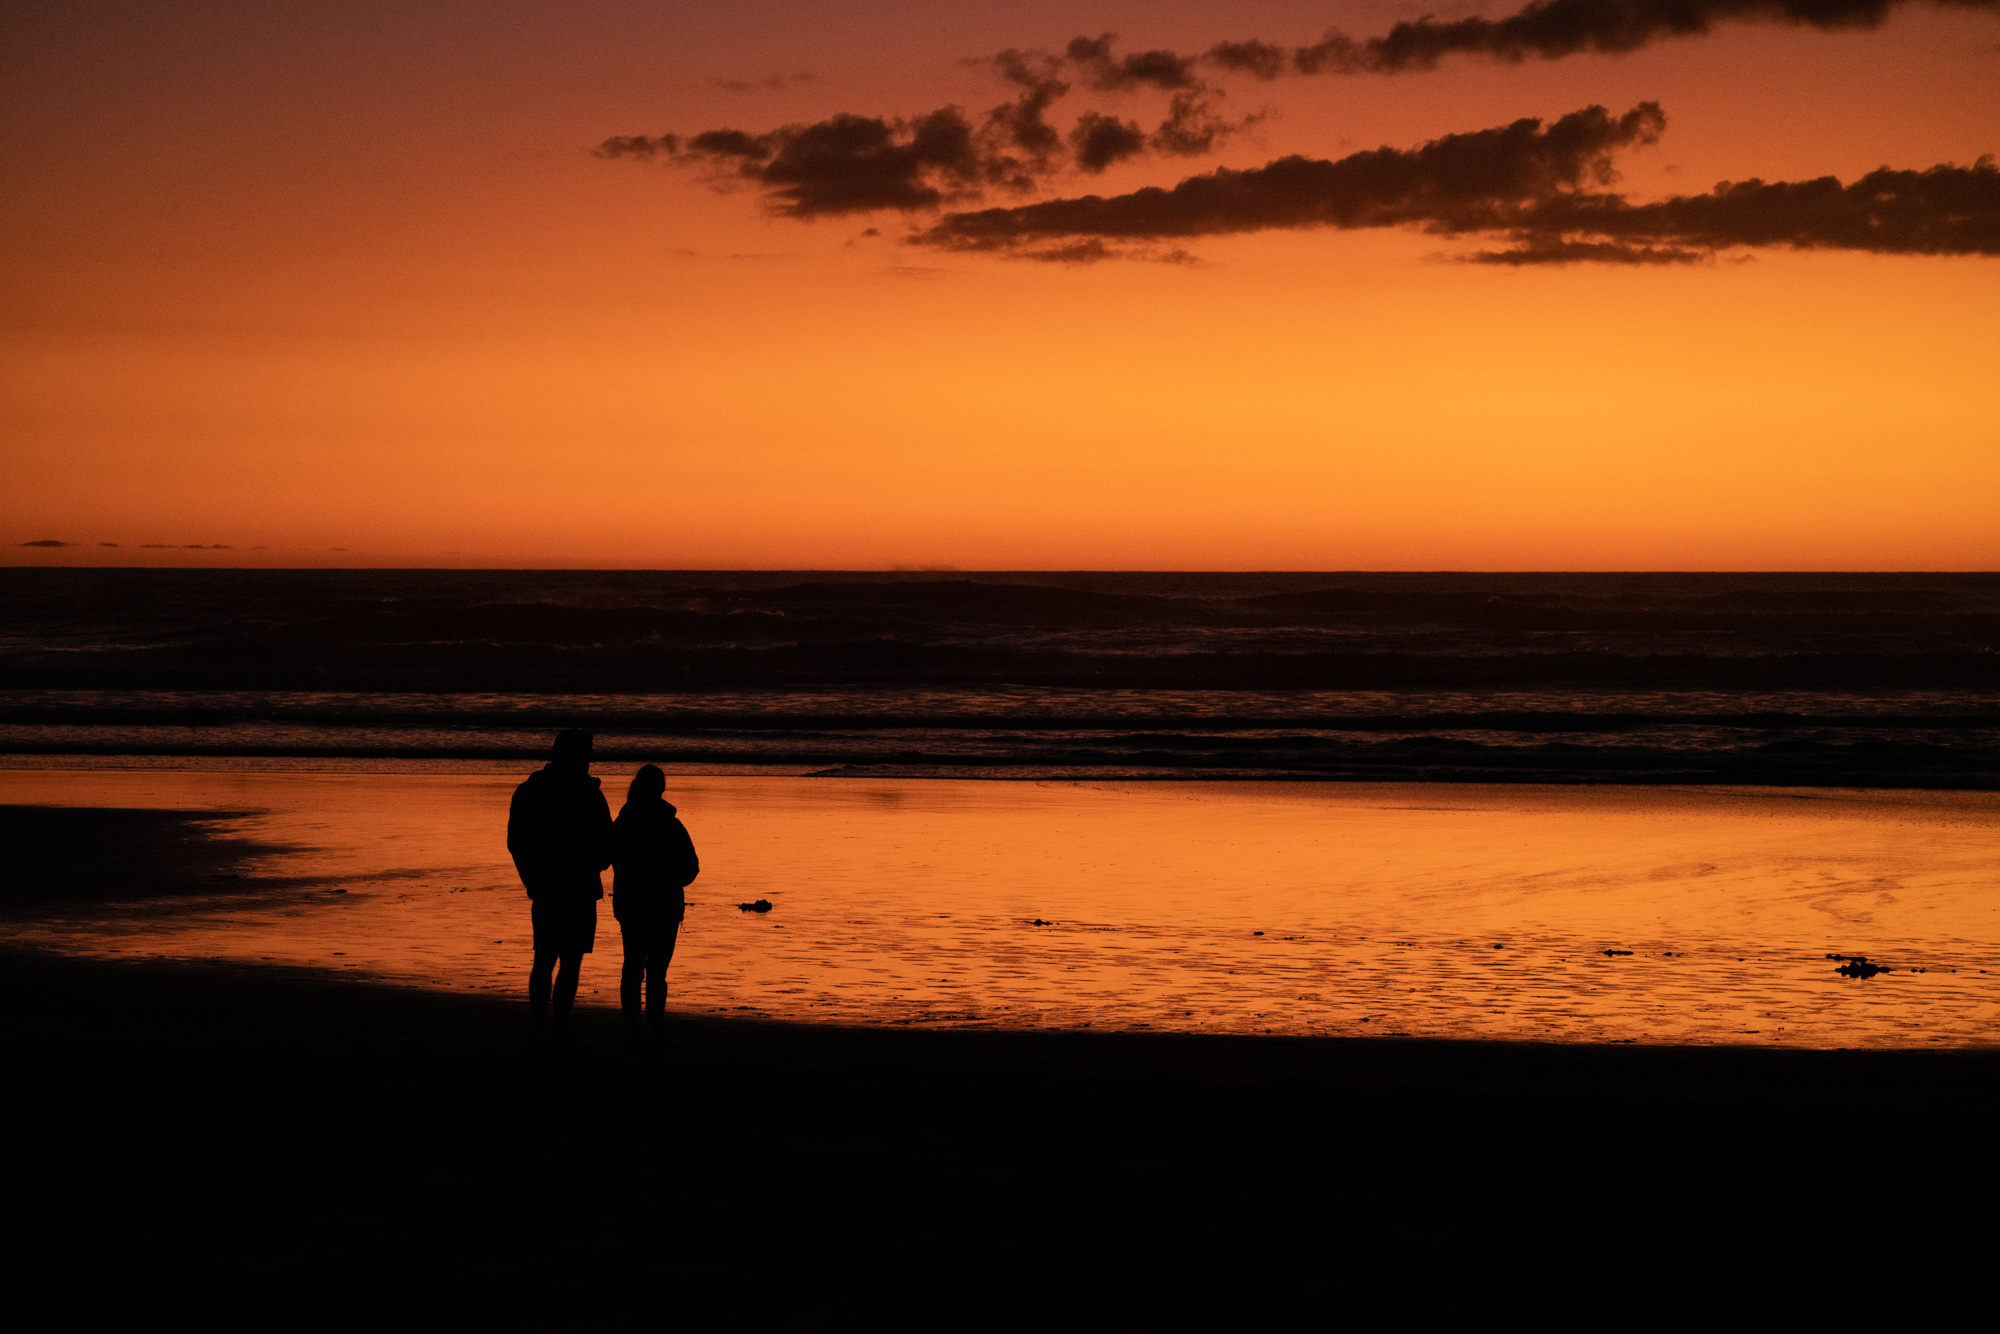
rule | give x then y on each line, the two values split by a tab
572	747
647	784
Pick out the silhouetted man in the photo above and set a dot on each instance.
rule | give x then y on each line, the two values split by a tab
559	830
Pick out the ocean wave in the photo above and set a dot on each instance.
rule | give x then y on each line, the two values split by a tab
1017	707
1942	757
1837	678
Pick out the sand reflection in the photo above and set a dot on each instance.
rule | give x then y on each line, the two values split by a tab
1473	911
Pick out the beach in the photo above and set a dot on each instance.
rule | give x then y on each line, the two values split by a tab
1469	912
1140	948
1328	665
272	1112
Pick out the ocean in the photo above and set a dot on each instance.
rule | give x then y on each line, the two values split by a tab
1862	680
1668	816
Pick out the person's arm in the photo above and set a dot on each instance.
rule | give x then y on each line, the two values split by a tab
621	840
689	865
601	819
521	840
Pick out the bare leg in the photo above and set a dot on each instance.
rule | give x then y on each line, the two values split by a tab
538	984
571	965
630	973
658	956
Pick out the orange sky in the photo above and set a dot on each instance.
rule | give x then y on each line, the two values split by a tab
330	285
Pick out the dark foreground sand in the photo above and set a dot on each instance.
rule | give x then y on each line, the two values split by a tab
287	1147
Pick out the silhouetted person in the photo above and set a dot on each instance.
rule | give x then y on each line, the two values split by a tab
654	861
559	830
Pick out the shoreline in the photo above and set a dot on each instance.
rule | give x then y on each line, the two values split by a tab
406	762
308	1008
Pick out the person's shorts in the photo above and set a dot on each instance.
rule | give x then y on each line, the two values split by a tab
652	933
564	926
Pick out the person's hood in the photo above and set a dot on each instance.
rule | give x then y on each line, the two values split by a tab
637	805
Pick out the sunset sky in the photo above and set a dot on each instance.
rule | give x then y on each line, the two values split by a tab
413	284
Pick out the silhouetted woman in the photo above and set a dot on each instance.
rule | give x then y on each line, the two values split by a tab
652	860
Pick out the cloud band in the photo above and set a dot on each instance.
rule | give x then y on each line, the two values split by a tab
1539	186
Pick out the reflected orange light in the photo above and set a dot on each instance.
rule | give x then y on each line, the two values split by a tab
1226	907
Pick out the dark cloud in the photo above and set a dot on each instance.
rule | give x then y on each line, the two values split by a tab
1538	186
1098	141
1259	59
1023	123
107	544
1945	210
1460	182
1542	30
1549	30
845	164
769	81
859	164
639	146
1193	129
1553	29
1094	251
46	542
730	143
1094	59
1541	251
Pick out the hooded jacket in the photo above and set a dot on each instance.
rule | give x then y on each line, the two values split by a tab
559	830
655	860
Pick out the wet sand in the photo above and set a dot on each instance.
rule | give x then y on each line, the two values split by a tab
1645	915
